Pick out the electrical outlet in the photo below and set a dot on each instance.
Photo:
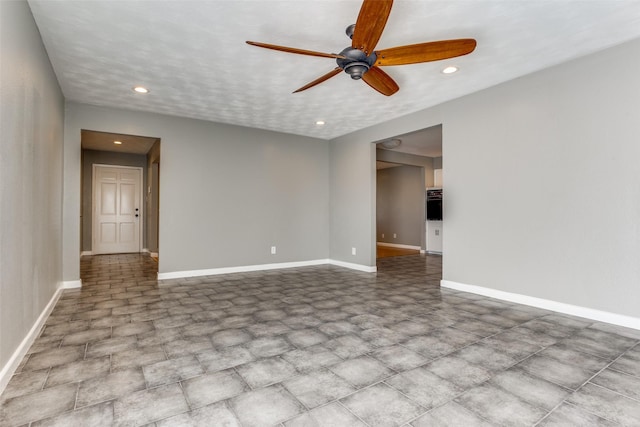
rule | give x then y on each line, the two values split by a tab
353	251
273	250
394	235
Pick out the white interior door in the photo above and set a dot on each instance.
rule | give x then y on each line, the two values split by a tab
117	210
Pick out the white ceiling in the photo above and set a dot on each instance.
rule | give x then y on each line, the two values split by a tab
193	56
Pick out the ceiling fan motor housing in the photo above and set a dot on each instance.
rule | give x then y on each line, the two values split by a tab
356	62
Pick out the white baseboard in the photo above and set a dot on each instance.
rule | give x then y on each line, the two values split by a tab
153	254
260	267
352	266
12	364
145	251
560	307
71	284
239	269
397	245
85	253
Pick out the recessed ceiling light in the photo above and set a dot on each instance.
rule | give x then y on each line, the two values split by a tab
449	70
117	142
320	122
140	89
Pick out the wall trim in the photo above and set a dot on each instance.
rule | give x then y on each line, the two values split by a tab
399	246
352	266
560	307
71	284
86	253
153	254
239	269
260	267
14	361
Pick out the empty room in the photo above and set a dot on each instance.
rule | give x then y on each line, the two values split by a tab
319	213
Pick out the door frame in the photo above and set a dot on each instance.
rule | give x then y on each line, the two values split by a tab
94	221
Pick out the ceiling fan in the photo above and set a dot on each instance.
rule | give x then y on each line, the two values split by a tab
361	61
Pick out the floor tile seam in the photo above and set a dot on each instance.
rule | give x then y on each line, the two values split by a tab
382	381
282	383
336	401
589	381
545	379
604	388
577	350
533	374
42	388
31	421
583	409
463	391
451	353
482	338
339	401
563	401
581	350
481	416
518	398
609	362
568	390
187	400
620	371
44	383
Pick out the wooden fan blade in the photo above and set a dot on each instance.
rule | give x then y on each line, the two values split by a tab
319	80
425	52
295	50
380	81
370	24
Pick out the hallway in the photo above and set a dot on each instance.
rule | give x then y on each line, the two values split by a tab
315	346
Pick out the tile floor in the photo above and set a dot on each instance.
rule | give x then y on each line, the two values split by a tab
315	346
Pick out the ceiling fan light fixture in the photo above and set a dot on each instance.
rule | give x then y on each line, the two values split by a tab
356	69
450	69
140	89
361	57
390	144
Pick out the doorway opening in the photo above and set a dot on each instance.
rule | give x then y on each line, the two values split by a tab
406	167
120	179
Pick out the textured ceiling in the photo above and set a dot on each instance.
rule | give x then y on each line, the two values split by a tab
193	56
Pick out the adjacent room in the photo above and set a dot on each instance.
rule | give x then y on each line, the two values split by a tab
322	213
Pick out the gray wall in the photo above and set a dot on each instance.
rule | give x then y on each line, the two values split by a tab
557	216
91	157
152	193
437	163
353	199
542	182
400	205
227	193
31	126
